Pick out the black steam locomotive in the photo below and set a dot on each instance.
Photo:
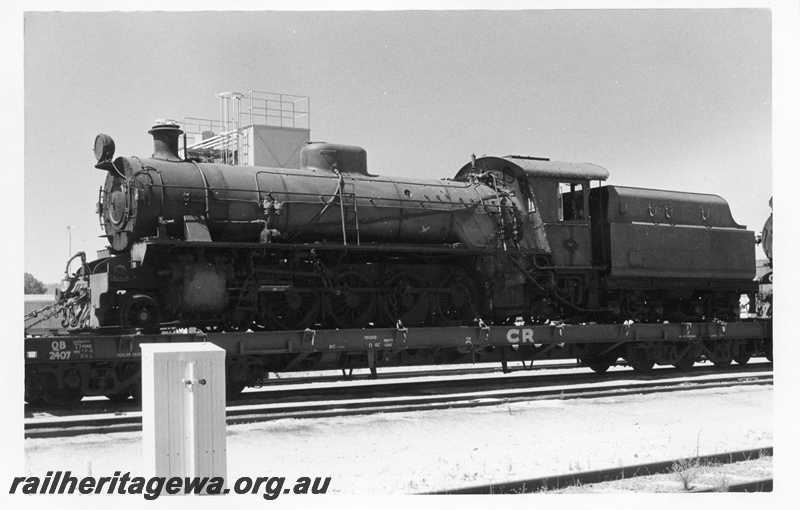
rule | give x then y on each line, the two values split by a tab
235	248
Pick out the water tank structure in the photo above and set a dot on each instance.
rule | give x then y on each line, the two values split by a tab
255	129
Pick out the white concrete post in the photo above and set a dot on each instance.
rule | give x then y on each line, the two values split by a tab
183	410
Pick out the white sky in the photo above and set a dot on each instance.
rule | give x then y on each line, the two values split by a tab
671	99
692	100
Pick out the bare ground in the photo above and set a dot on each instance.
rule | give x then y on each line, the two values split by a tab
411	452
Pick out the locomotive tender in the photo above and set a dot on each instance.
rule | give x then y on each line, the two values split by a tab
226	247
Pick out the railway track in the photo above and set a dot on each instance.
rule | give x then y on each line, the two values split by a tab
406	382
415	396
557	482
477	381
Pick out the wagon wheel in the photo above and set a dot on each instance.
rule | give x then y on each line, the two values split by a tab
34	401
599	364
130	378
407	300
139	311
599	368
235	380
685	363
292	309
353	301
720	353
455	298
740	354
638	359
723	362
136	389
67	396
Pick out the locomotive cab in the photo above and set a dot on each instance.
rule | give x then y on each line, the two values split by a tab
555	200
564	206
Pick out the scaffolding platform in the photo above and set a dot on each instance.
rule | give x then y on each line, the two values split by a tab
254	129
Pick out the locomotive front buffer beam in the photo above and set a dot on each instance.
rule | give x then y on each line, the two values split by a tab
63	369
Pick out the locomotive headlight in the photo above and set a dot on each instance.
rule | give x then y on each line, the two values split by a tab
103	148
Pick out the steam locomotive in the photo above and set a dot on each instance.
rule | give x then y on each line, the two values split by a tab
515	238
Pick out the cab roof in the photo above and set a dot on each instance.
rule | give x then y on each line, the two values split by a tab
537	167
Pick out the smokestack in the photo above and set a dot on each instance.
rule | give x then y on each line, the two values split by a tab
165	140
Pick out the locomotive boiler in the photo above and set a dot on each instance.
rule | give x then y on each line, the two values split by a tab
513	238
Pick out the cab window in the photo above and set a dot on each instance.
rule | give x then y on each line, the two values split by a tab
570	201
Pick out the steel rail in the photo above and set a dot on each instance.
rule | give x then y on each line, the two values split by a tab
619	473
126	422
763	485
